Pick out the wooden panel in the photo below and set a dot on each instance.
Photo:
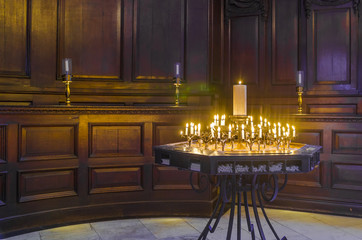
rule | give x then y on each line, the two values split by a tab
122	179
14	40
345	142
332	46
284	42
3	141
347	176
332	41
171	178
90	34
244	45
3	188
276	109
115	140
164	134
332	109
37	185
310	136
159	38
47	142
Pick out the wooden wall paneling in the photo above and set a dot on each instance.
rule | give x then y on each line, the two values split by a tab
115	140
3	144
44	142
46	184
197	44
115	179
164	133
332	51
91	34
173	179
43	51
347	142
159	39
332	109
347	176
284	42
3	188
14	40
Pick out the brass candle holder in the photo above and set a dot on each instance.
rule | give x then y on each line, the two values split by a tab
177	84
300	99
67	81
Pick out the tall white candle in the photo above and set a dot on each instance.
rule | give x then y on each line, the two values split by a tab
66	65
239	100
218	132
177	70
212	130
242	132
229	131
293	131
187	129
260	131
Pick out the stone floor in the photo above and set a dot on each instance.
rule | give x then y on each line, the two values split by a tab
293	225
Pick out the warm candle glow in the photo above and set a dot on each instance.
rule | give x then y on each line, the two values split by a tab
199	128
187	129
218	132
229	131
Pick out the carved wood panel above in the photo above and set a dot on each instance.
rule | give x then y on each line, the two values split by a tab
112	140
159	39
346	142
90	32
237	8
48	142
14	38
308	5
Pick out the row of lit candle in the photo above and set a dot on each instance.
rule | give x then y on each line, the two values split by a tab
194	129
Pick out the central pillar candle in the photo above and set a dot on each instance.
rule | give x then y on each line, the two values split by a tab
239	100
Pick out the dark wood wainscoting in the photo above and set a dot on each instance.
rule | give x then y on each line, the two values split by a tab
61	165
336	185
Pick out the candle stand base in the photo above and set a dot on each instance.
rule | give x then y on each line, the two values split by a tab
234	189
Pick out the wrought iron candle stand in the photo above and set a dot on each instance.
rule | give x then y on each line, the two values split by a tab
234	189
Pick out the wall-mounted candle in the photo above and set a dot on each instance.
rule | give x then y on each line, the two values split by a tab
293	131
242	131
300	79
192	128
218	132
199	128
66	65
187	129
229	131
239	100
177	70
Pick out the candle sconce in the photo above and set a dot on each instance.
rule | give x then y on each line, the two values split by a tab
177	82
300	85
67	76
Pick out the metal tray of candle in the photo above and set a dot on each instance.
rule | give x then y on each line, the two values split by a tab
297	159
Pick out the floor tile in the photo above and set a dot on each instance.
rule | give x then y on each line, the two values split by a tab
169	227
131	229
27	236
74	232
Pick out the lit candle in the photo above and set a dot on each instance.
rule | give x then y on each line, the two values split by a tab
265	122
218	132
199	128
223	120
242	132
212	130
192	128
279	129
239	100
229	131
217	119
275	132
293	131
252	131
261	120
187	129
269	127
260	131
247	121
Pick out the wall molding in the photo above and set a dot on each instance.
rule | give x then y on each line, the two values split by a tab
308	5
238	8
